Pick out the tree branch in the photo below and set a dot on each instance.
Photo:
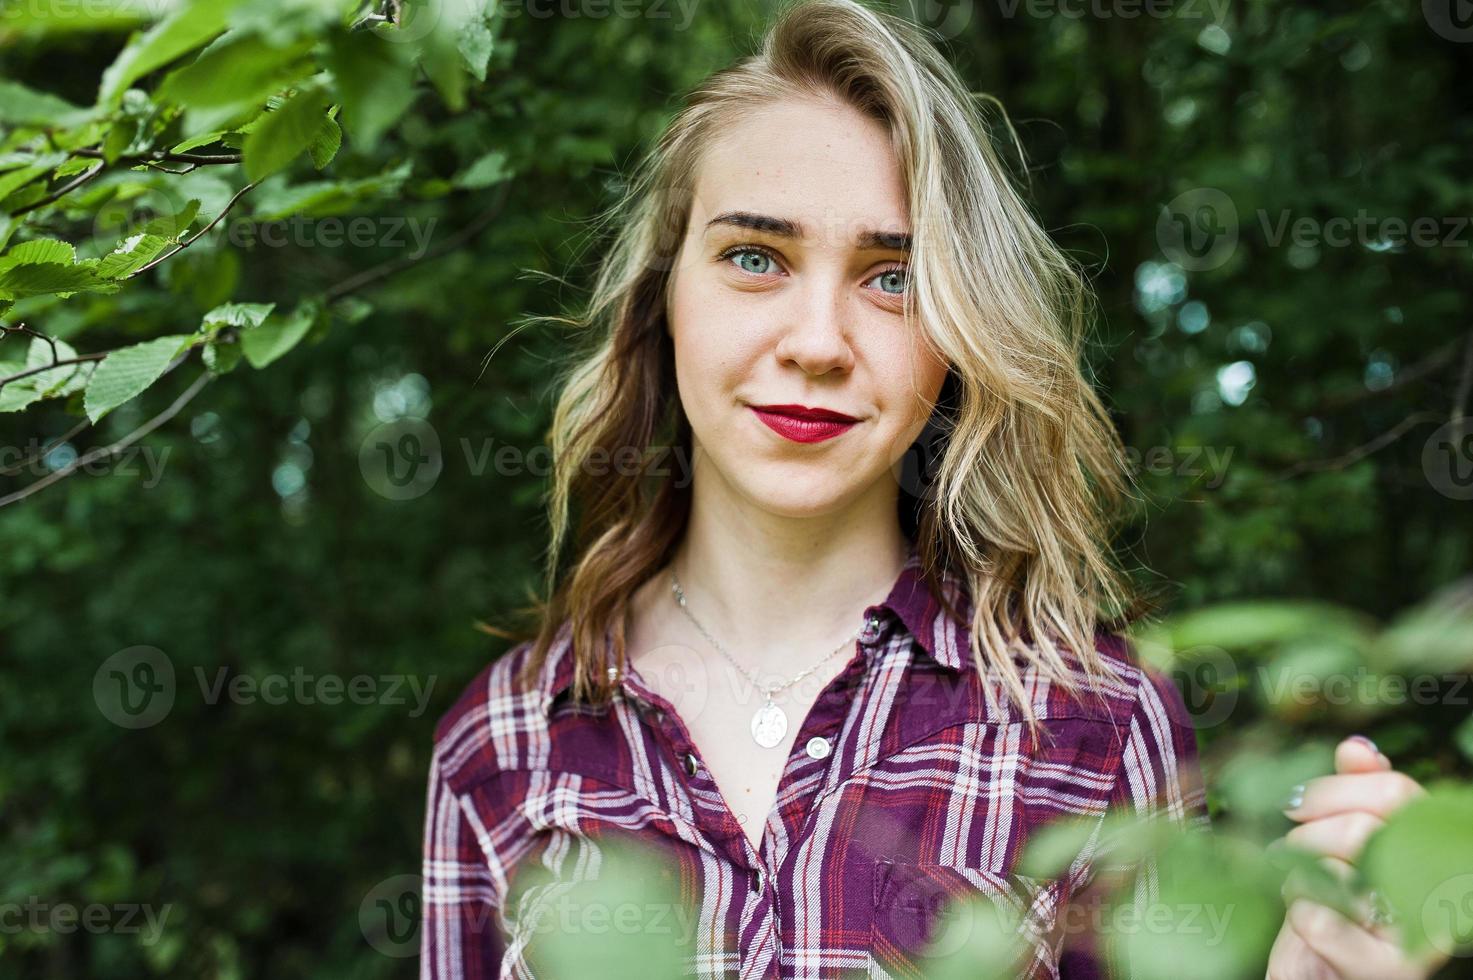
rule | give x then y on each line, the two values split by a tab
58	194
197	236
1426	367
385	269
1360	452
162	156
68	436
95	454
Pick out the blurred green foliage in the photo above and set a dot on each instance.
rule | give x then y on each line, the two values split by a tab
265	336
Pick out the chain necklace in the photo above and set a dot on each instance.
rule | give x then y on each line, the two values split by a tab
770	723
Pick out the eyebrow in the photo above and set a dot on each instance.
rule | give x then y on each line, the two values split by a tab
791	229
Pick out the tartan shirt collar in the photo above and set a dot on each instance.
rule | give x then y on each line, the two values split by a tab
944	639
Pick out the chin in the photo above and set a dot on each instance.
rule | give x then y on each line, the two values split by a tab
813	497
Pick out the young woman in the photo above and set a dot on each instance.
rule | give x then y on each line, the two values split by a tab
839	632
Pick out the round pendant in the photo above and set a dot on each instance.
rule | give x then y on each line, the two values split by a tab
769	725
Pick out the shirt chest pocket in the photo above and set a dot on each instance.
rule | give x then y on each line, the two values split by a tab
930	918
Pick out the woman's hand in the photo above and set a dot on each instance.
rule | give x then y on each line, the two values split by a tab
1337	815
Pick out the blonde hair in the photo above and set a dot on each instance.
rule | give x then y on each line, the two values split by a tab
1030	471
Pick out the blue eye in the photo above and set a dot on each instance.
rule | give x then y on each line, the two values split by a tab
751	260
898	278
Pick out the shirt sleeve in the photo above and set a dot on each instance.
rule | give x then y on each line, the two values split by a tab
1160	778
460	938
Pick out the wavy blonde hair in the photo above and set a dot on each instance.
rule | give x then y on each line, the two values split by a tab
1029	471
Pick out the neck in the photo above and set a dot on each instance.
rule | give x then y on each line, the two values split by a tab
780	593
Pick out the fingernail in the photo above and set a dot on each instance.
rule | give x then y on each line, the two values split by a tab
1295	797
1367	743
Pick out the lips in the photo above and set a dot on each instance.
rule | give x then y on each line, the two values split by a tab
804	412
800	423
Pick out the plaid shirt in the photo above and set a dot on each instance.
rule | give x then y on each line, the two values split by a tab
903	789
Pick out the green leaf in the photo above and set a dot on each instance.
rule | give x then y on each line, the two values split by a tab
328	197
182	31
1421	860
21	106
236	72
173	226
55	19
195	142
488	170
277	336
326	143
17	395
221	358
41	278
282	135
24	175
440	57
124	374
243	315
131	254
58	381
1218	910
477	42
1436	635
39	250
375	83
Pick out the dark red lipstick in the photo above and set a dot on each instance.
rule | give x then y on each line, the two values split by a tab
803	424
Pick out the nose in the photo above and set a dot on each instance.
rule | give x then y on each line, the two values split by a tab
815	334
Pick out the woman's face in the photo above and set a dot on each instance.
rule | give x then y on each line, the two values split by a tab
788	292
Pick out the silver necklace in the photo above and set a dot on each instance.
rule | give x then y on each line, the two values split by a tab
770	723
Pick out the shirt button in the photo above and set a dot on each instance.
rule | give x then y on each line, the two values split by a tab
871	631
757	879
818	747
690	763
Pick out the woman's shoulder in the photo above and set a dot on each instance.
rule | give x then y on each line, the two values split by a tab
496	718
1127	687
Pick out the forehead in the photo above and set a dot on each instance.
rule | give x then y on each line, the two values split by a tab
819	163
